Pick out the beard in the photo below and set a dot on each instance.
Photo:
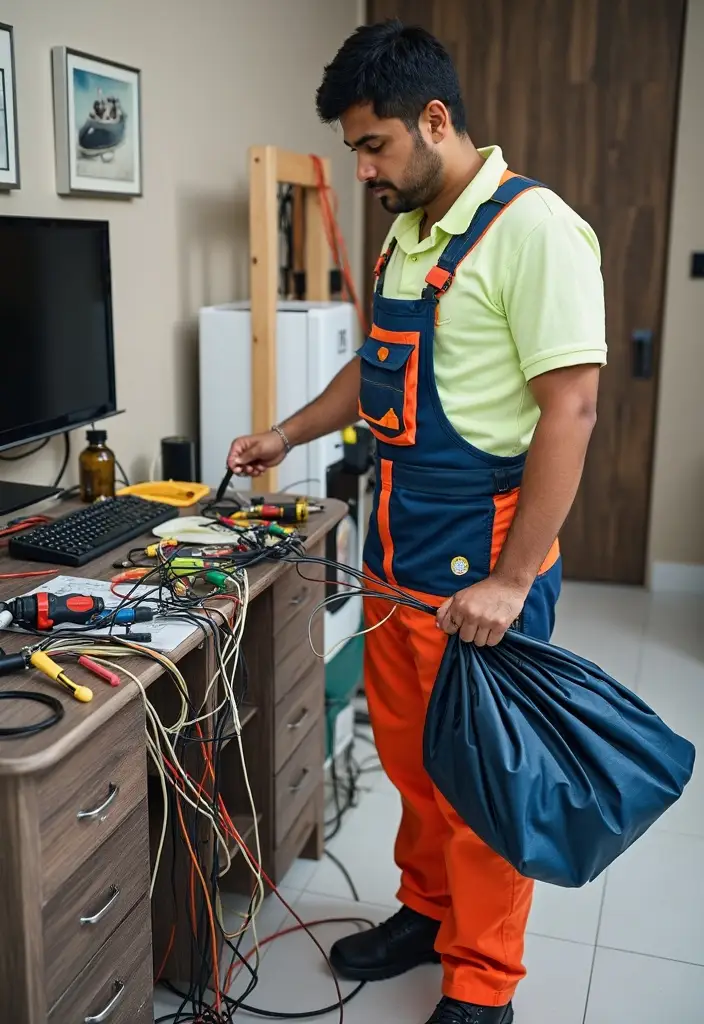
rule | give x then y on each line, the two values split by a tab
422	180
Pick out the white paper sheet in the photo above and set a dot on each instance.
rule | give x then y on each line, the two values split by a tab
166	633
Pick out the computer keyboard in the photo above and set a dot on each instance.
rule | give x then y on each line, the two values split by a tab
92	531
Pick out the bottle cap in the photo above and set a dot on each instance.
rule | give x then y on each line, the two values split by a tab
96	436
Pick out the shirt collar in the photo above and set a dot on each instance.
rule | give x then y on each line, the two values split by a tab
458	218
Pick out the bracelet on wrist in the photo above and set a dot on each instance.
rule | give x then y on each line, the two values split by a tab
279	430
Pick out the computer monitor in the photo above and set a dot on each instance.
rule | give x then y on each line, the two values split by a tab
57	368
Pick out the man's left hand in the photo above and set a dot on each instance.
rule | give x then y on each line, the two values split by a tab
482	613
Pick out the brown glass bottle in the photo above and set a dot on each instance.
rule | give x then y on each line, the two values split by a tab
96	465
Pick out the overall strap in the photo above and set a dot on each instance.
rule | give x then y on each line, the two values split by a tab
381	265
441	276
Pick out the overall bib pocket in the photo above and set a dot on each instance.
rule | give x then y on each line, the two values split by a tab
388	394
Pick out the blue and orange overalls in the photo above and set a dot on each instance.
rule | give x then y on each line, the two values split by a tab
442	510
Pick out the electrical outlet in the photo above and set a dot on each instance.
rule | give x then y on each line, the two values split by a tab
697	264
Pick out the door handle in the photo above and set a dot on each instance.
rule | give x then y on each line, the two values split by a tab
642	342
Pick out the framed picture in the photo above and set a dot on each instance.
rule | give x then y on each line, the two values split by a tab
9	149
97	124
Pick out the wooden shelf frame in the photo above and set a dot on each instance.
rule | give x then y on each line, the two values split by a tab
269	167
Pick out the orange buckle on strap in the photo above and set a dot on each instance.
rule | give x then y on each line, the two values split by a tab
439	279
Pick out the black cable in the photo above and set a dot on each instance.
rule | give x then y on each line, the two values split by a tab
26	455
347	876
190	607
235	1004
67	456
160	582
361	717
124	478
40	447
21	731
286	233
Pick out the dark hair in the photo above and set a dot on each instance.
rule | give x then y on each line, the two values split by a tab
397	69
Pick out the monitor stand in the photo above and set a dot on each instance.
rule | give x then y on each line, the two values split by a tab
16	496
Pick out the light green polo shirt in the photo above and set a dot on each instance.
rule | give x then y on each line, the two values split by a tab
528	299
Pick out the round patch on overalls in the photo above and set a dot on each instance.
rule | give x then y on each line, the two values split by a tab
382	353
459	565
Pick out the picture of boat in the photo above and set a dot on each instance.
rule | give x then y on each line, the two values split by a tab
104	129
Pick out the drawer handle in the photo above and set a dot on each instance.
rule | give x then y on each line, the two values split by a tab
98	1018
298	599
297	786
114	894
304	715
96	813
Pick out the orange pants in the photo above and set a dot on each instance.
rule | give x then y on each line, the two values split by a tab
447	873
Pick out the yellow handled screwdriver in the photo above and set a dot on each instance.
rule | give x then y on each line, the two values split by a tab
50	668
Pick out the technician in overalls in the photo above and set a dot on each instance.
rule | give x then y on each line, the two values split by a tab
479	381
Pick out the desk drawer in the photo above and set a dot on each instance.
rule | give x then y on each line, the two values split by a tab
99	895
87	795
292	845
299	779
297	666
293	592
296	714
119	977
293	637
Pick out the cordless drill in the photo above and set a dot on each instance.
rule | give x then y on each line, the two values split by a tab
43	611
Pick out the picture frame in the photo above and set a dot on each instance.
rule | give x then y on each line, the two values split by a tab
9	144
97	125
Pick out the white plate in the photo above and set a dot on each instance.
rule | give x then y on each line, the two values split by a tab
195	530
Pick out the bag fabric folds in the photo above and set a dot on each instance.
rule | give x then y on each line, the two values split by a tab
554	764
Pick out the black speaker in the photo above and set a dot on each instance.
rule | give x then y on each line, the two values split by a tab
179	459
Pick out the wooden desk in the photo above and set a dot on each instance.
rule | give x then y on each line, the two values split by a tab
74	804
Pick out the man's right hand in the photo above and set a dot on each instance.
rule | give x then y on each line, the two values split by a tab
253	455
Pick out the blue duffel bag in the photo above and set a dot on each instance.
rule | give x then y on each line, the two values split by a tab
556	766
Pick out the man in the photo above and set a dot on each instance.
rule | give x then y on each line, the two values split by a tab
479	381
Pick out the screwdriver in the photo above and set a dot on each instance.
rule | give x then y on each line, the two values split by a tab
290	512
50	668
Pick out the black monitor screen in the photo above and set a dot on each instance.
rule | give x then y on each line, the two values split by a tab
56	343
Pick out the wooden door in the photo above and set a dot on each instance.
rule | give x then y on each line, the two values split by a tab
582	94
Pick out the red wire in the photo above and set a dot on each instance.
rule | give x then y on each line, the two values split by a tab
335	237
230	829
24	524
23	575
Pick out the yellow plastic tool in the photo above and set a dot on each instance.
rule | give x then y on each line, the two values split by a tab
179	493
54	671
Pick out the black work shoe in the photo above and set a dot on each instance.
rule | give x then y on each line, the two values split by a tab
449	1011
405	941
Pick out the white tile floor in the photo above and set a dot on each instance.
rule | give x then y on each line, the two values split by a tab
628	949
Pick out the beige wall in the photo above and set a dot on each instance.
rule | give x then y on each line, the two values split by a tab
677	533
217	77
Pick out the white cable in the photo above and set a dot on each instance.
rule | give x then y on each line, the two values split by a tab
160	745
340	643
